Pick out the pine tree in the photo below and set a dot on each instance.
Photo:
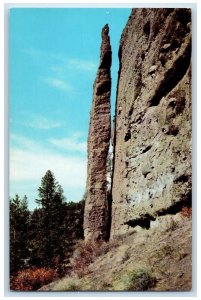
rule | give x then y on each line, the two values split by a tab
19	224
46	236
50	227
35	234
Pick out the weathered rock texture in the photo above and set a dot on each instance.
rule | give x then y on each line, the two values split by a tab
96	208
152	134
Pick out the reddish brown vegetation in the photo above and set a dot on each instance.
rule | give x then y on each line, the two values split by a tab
32	279
186	212
86	253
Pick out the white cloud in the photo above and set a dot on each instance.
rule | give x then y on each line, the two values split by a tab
58	84
30	161
56	68
39	122
33	52
32	165
83	65
72	143
62	62
39	54
24	142
43	123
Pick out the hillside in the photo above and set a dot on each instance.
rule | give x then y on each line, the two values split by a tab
157	259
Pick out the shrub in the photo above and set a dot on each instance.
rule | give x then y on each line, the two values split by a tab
186	212
87	252
173	225
164	251
32	279
67	284
83	256
141	280
135	280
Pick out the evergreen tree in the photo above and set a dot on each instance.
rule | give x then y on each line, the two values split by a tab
46	236
73	227
19	224
35	234
50	227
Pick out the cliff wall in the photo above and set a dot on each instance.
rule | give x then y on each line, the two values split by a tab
152	131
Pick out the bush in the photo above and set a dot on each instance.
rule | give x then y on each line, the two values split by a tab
141	280
32	279
173	225
86	253
67	284
186	212
135	280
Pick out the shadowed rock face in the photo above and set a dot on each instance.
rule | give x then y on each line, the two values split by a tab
96	206
152	133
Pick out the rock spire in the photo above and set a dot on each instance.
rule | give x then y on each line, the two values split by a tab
96	206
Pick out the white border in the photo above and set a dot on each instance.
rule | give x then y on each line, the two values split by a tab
196	161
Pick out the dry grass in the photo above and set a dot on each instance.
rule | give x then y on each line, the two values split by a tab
157	259
138	279
67	284
86	253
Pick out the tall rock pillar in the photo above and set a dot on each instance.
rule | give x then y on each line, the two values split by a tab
96	206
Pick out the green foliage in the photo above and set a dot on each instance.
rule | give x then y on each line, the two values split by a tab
47	236
67	284
139	279
73	221
19	225
50	192
50	228
52	243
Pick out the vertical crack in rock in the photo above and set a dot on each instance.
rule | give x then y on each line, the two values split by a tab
96	217
114	132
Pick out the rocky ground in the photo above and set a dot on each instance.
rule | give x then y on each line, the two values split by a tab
158	259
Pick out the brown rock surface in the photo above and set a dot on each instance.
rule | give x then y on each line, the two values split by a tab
96	206
152	136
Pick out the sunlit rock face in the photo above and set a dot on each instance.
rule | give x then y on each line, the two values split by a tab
152	128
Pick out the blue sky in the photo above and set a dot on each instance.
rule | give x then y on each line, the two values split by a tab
53	60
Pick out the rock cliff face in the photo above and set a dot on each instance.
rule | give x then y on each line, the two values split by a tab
96	207
152	133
